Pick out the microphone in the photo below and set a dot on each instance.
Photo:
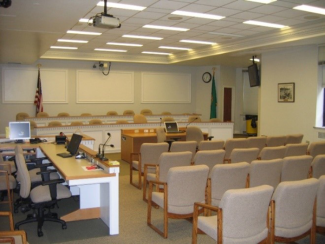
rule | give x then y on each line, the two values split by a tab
191	122
160	121
103	148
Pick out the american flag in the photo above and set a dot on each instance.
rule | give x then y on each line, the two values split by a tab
39	96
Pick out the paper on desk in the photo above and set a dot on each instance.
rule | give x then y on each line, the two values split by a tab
114	163
91	168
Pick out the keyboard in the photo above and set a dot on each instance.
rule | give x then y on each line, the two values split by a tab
65	155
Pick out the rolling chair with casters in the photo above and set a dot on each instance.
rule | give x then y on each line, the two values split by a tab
161	137
194	133
43	197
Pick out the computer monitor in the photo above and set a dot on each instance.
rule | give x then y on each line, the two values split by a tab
171	127
74	144
19	130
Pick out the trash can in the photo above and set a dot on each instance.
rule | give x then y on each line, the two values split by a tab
251	124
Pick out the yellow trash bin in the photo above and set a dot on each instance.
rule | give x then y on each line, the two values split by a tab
251	124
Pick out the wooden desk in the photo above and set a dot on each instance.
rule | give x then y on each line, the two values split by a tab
132	140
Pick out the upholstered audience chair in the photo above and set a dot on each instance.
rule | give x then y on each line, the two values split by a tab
275	141
161	136
122	121
232	143
243	155
21	116
164	119
296	149
294	138
146	112
194	133
54	123
76	123
318	166
13	236
95	122
268	153
149	154
182	146
211	145
33	124
128	112
166	161
166	113
9	166
296	168
265	172
86	114
240	218
225	177
320	212
209	158
194	118
293	211
316	148
111	113
63	114
42	198
7	184
185	185
139	119
42	115
257	141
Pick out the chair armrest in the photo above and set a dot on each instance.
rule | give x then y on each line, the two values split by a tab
52	182
6	165
133	154
207	206
210	138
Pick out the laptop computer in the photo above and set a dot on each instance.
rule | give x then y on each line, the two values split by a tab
172	127
73	146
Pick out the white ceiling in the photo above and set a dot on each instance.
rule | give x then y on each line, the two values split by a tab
29	27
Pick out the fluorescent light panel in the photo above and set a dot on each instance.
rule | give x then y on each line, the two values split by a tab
311	9
124	44
143	37
73	41
262	1
122	6
265	24
198	15
175	48
83	32
198	42
61	47
110	50
83	20
158	53
160	27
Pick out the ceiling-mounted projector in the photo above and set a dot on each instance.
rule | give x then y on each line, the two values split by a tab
106	21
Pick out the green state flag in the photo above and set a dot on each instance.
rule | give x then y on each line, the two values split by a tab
213	109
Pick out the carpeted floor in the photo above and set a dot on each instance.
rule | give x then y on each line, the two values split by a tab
133	226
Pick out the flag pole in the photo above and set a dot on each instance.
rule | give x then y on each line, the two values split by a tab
213	105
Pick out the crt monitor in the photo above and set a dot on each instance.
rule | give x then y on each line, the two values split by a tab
253	74
19	130
171	126
74	144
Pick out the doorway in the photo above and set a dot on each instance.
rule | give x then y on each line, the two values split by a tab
227	104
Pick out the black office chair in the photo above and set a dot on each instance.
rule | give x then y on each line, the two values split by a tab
41	198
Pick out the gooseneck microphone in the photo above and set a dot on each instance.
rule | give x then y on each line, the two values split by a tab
103	148
160	121
191	122
98	155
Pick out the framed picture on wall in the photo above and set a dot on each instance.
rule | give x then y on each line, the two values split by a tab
286	92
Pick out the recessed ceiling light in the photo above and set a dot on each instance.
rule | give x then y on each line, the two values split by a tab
160	27
124	44
198	42
110	50
198	15
73	41
158	53
83	32
262	1
260	23
224	34
60	47
122	6
311	9
175	48
143	37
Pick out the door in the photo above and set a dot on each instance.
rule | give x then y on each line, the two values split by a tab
227	99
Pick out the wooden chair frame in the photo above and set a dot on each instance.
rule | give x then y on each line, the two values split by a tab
9	191
145	182
8	235
139	170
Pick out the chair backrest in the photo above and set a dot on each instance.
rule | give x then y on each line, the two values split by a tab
55	123
318	166
259	141
122	121
265	172
161	135
21	116
146	111
209	158
292	219
294	138
42	115
168	160
320	212
86	114
167	119
25	182
244	155
32	124
111	113
150	152
194	133
179	181
215	120
139	119
244	213
75	123
194	118
225	177
166	113
268	153
128	112
296	149
296	168
211	145
182	146
316	148
232	143
275	141
95	122
63	114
